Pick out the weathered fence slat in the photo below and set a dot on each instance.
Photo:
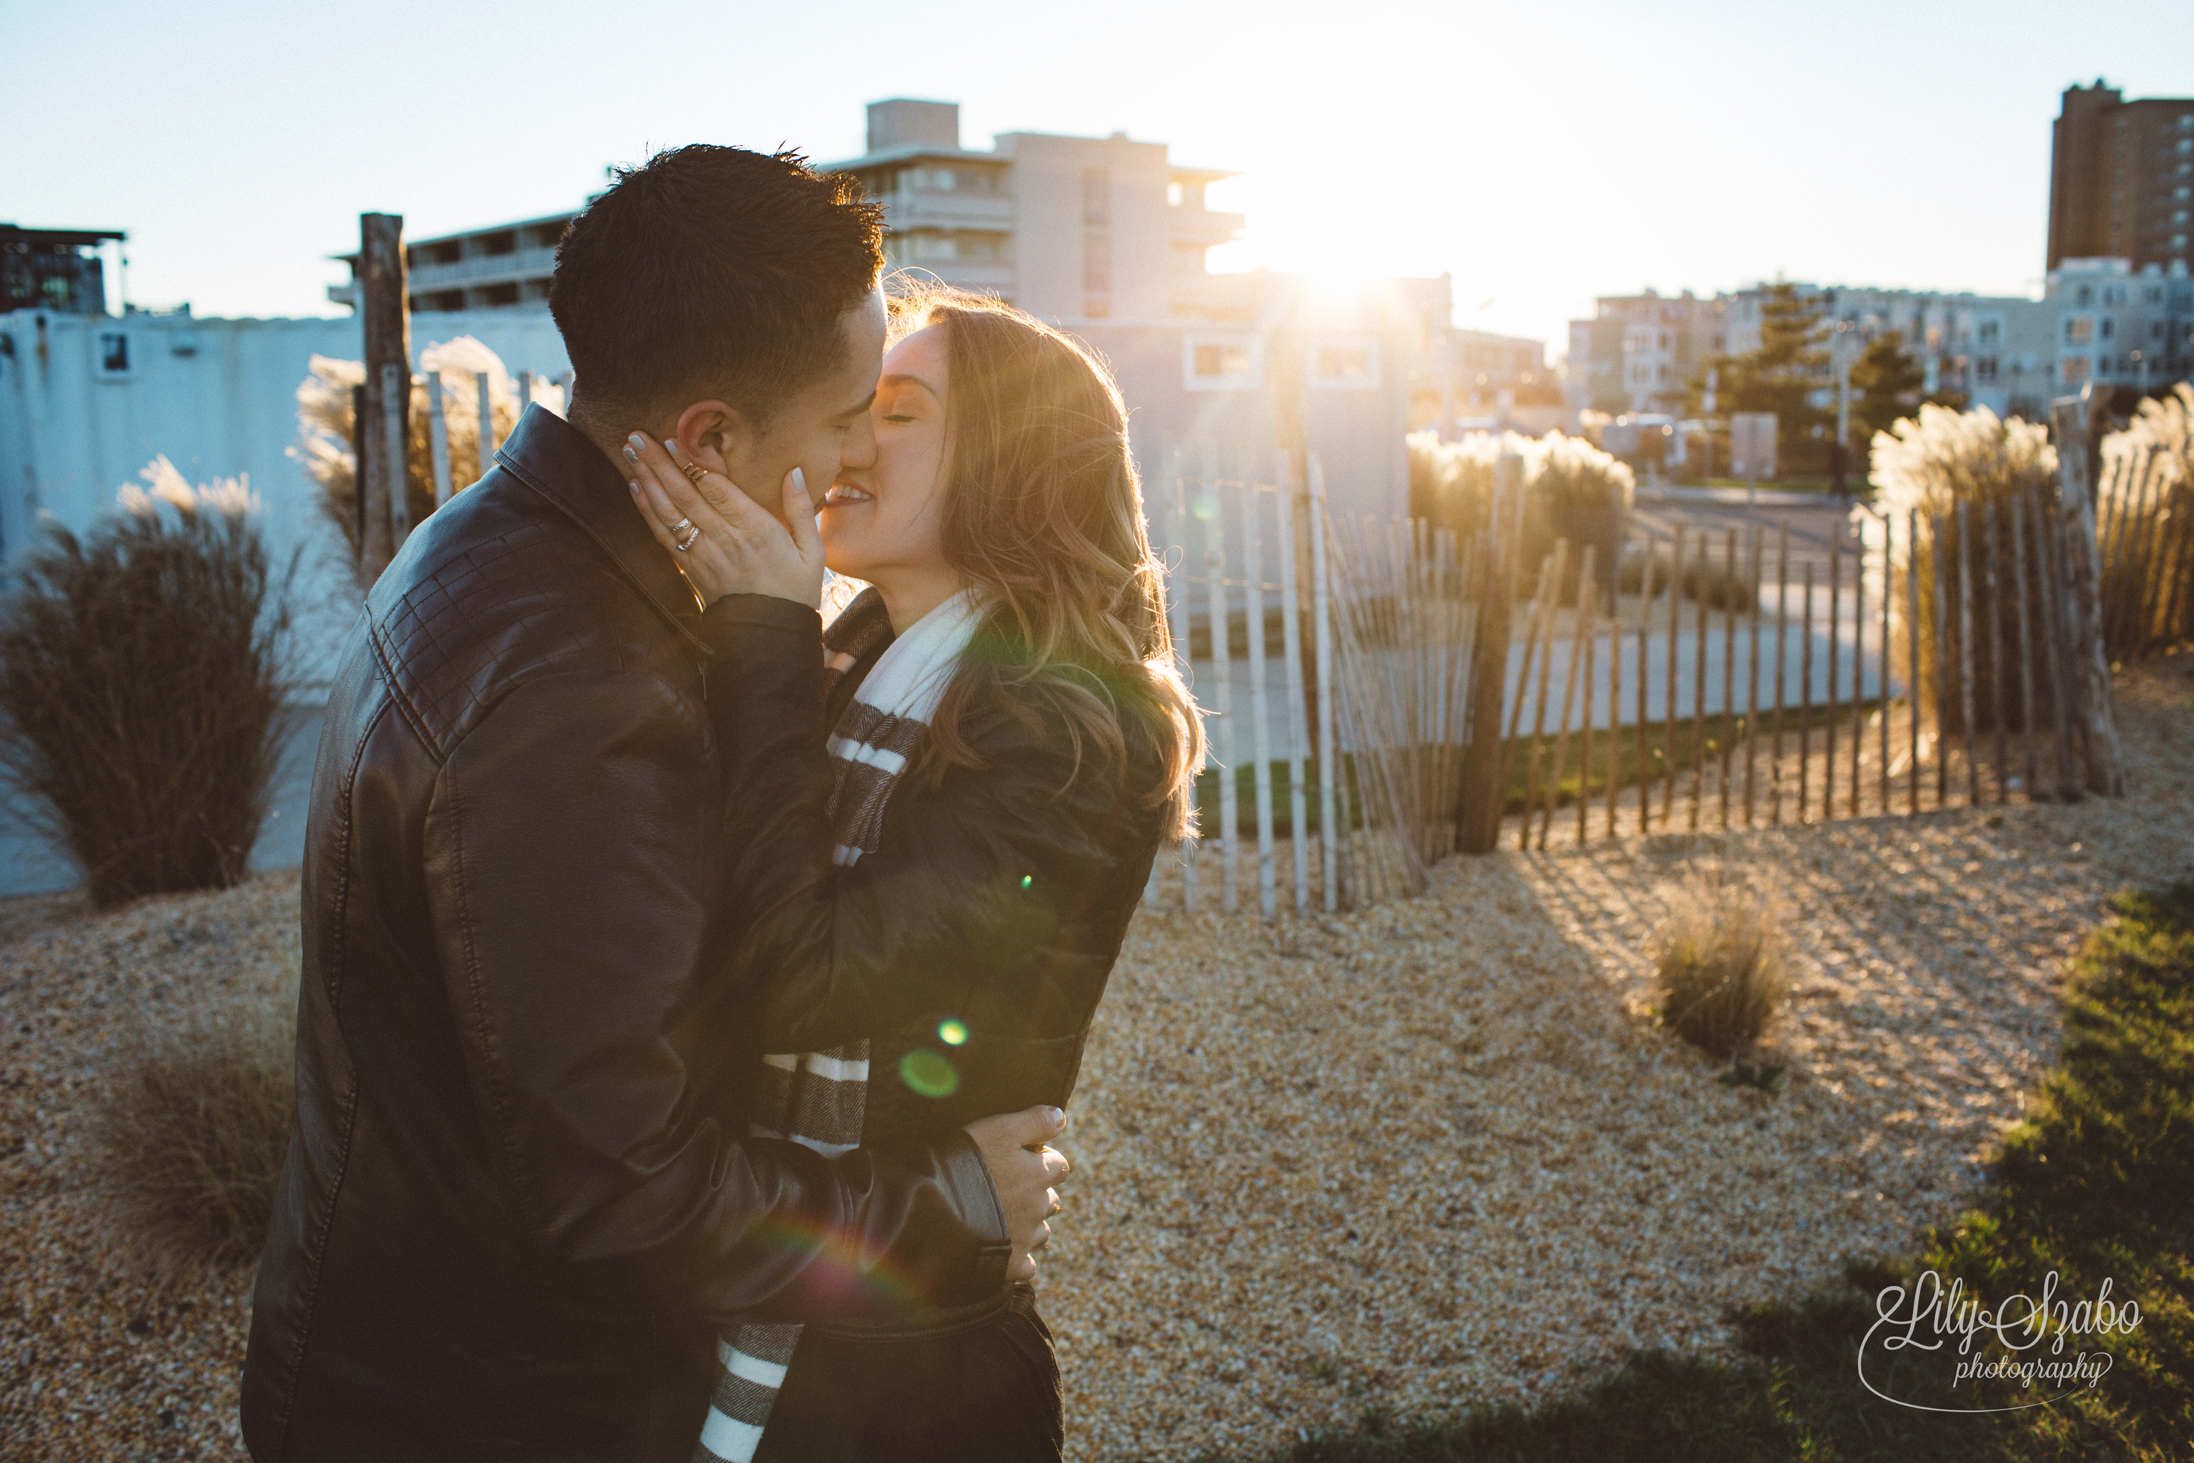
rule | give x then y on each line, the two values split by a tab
1645	626
1222	686
1965	652
1560	561
1330	831
488	444
1782	638
1882	673
1668	724
1698	680
1534	633
1585	586
1253	573
1942	661
1177	610
1995	649
1835	627
2089	668
1291	645
437	438
1590	630
1752	688
1805	698
2026	647
1858	670
1912	635
1729	665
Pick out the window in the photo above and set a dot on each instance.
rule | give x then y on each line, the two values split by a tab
2075	370
1176	195
1984	369
2110	327
1097	196
112	360
1346	364
502	241
2113	295
2178	241
2079	330
1222	363
2084	295
1988	331
1097	264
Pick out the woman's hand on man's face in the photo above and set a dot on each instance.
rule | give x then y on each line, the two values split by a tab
723	541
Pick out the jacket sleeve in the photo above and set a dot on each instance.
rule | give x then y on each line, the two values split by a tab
956	912
569	859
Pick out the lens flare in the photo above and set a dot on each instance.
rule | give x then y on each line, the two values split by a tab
951	1033
928	1074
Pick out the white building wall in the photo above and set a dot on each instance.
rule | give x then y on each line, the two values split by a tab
218	398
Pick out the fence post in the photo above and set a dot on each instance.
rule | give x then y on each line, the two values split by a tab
396	415
385	316
488	444
1478	814
1260	735
1184	663
1330	831
1291	642
2090	671
438	438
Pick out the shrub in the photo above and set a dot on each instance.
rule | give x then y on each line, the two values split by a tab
143	670
1932	464
1572	490
1705	578
193	1134
2143	510
1718	962
325	422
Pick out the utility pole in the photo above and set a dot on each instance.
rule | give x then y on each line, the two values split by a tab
385	313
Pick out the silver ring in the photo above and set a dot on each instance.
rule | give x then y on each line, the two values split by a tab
678	528
688	539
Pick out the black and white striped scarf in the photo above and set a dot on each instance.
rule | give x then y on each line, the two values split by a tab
818	1099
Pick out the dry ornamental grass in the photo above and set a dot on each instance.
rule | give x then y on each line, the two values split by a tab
1718	961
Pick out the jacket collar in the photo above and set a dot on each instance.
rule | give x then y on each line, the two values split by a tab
555	459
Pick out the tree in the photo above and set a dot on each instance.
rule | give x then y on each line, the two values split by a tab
1891	383
1789	365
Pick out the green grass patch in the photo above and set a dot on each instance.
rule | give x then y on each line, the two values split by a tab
2093	1185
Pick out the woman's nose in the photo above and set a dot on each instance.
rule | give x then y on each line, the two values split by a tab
859	451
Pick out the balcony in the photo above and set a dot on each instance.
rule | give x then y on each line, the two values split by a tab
1202	226
483	269
907	210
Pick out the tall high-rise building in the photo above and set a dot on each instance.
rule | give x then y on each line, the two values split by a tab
2121	179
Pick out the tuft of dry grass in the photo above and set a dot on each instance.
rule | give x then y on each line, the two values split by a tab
192	1134
1718	965
143	669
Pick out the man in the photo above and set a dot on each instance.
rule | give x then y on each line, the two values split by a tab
519	1196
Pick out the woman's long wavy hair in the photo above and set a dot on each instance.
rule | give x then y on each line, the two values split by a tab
1044	511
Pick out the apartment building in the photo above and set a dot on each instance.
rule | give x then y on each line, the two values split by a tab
2120	326
1067	228
1638	352
2121	179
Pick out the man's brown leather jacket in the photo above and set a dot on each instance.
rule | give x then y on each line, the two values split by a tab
518	1195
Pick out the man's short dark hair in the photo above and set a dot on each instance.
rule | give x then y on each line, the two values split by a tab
713	271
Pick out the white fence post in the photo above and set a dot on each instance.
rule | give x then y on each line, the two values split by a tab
1215	571
438	438
1329	768
1177	609
488	444
1291	641
1253	572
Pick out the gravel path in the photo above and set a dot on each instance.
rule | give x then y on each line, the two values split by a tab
1425	1155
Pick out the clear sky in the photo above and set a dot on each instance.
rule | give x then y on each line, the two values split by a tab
1541	153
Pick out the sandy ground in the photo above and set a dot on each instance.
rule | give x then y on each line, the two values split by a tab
1428	1154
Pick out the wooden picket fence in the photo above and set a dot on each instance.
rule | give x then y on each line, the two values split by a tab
1434	693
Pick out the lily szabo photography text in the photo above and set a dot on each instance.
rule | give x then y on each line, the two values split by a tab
1406	734
2024	1339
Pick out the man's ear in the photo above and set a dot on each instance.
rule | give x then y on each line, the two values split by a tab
718	436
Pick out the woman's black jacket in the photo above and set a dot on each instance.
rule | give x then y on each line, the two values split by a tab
997	899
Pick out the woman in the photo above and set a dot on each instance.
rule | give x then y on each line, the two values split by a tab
945	877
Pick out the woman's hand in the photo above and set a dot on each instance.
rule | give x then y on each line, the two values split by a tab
723	541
